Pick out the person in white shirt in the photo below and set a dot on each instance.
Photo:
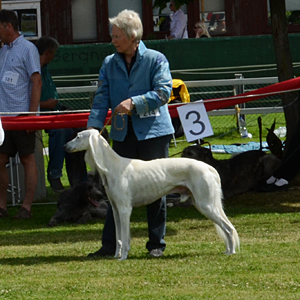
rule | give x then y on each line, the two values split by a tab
178	26
20	90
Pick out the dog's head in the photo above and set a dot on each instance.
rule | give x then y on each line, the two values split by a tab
198	152
81	141
91	141
94	195
83	194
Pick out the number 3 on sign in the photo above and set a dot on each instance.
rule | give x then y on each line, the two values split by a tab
195	121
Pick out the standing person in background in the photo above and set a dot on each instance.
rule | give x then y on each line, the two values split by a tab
135	82
47	47
20	90
221	27
201	30
178	26
288	168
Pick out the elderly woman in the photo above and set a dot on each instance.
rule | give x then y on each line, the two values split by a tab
135	82
201	30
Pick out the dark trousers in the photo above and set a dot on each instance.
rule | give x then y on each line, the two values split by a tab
75	164
57	139
157	211
290	164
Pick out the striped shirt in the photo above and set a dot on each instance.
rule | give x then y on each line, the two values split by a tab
18	61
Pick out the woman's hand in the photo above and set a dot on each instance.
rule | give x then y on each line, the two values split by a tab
125	107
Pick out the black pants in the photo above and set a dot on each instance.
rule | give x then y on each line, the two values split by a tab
157	211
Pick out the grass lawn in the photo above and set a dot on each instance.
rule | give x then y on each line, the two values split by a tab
37	262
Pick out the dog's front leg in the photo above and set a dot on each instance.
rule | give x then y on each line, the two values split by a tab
118	230
125	231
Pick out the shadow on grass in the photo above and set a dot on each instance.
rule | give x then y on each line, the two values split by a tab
264	203
64	235
37	260
34	231
29	261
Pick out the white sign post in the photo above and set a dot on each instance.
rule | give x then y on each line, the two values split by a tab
195	121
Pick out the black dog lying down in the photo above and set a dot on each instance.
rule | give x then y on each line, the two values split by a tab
81	203
242	173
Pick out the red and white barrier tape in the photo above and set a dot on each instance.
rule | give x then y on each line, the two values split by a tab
80	119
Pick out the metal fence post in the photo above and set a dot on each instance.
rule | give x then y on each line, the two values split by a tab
239	89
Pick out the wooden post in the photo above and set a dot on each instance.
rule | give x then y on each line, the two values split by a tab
284	63
202	10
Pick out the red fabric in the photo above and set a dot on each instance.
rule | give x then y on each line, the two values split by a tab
80	119
277	88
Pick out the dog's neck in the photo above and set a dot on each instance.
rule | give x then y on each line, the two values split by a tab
100	155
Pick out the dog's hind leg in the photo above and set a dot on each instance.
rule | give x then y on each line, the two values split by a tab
225	231
228	231
223	226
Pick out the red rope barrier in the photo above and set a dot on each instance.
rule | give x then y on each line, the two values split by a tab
80	119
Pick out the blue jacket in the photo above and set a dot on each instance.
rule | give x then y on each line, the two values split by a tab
149	85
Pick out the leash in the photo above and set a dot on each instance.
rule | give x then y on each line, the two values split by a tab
175	154
114	115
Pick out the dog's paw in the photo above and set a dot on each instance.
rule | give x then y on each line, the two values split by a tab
52	223
84	219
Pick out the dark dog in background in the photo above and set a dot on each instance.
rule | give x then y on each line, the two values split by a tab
86	198
81	203
243	172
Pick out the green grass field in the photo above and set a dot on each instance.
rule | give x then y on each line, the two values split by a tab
37	262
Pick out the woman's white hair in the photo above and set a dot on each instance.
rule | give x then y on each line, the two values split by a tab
129	21
203	26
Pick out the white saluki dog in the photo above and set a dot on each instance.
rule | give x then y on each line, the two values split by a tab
132	182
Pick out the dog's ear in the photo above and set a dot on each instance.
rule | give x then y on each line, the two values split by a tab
90	161
96	144
274	142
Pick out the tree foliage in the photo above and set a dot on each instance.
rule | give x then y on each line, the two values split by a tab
161	4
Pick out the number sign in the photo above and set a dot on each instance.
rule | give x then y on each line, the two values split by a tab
195	121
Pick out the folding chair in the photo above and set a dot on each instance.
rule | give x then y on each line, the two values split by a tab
179	94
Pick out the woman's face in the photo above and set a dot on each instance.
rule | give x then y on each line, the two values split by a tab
120	40
198	29
4	33
172	7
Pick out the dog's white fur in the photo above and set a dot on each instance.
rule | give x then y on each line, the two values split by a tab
132	182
